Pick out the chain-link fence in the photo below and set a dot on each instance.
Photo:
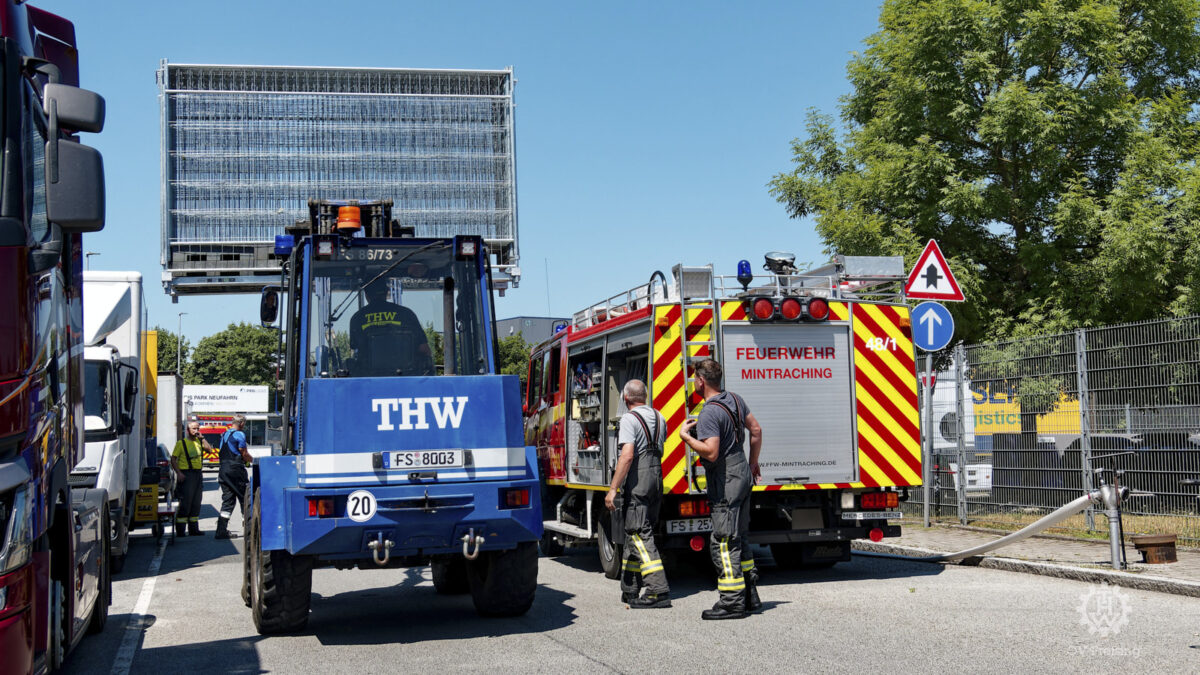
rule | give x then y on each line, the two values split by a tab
1019	428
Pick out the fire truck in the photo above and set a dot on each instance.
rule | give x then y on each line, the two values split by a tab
55	575
824	360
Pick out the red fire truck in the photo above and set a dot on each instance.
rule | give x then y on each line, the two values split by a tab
55	580
825	361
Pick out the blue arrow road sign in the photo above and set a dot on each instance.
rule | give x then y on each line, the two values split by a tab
932	326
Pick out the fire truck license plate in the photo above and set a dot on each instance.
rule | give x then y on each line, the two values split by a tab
689	525
871	515
426	459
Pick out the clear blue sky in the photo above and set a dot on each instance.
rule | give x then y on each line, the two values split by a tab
646	132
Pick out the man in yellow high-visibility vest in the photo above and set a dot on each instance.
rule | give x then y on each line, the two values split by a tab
187	460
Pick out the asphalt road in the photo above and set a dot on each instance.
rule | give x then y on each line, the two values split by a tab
872	614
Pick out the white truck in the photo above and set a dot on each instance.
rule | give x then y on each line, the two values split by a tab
114	410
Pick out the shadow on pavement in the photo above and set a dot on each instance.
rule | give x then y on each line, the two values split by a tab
406	613
234	656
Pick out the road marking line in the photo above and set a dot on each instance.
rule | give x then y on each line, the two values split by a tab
136	626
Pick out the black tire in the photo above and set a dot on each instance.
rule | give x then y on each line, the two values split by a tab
503	583
248	543
610	552
787	556
550	546
281	584
104	572
450	576
56	651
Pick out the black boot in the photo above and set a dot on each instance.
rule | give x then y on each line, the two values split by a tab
753	603
628	597
194	529
223	530
180	530
718	612
651	601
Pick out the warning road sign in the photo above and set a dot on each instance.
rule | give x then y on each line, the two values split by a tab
931	279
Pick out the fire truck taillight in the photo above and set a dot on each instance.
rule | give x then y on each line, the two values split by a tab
818	309
790	309
514	498
349	219
693	508
320	507
879	500
762	309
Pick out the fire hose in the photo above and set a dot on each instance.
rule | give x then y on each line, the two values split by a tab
1107	496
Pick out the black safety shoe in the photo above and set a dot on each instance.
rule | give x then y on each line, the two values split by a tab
181	531
717	613
658	601
225	534
628	597
194	531
753	603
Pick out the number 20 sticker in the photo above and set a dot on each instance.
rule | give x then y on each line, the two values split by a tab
360	506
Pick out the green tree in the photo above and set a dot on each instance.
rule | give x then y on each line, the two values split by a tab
241	354
1049	146
167	344
514	355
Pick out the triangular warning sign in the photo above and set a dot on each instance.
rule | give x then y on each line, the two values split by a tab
931	279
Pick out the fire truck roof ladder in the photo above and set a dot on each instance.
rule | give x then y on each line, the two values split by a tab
638	297
699	319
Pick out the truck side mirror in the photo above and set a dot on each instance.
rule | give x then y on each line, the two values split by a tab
268	306
74	172
77	109
130	390
275	422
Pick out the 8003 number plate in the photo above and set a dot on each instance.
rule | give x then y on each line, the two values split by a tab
423	459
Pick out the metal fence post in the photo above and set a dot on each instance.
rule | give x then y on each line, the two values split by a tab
927	437
1085	433
960	359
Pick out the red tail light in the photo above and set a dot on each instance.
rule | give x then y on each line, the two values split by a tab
694	508
763	309
790	308
879	500
320	507
514	498
818	309
696	543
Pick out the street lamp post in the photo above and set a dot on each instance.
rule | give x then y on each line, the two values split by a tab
179	347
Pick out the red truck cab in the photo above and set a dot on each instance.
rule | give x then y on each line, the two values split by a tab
54	570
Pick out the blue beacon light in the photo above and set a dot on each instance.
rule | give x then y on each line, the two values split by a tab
744	275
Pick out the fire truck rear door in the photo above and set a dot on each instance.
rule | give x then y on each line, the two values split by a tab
798	380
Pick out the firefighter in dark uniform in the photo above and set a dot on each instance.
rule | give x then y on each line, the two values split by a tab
387	338
235	456
638	477
719	436
187	459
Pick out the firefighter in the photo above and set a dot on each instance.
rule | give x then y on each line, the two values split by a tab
235	456
719	437
188	461
387	338
638	477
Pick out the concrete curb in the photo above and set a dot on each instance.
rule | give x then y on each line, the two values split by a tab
1124	579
